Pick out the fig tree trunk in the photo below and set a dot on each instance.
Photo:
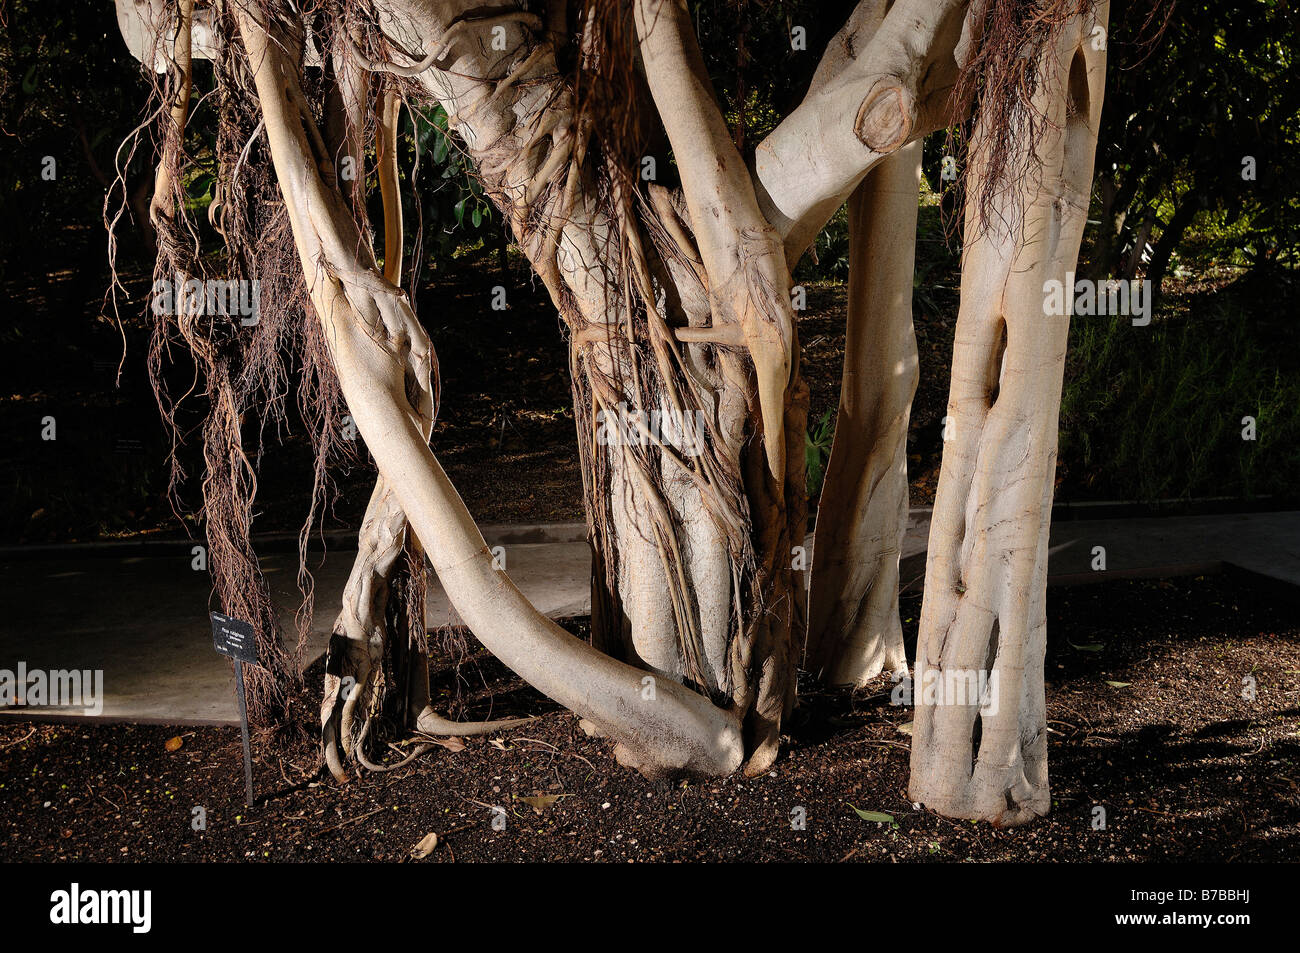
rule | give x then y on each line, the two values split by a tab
675	296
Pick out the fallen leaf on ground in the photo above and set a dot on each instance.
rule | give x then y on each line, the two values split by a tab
174	743
425	847
876	816
540	802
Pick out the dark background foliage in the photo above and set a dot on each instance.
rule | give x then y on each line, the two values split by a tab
1197	92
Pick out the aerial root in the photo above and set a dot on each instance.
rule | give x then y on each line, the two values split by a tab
530	20
428	723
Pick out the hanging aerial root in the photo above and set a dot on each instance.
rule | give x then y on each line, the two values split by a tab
386	158
236	369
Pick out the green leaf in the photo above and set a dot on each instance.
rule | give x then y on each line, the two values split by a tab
1119	684
199	189
1090	647
817	451
877	816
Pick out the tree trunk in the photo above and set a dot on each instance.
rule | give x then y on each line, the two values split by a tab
979	742
677	305
692	532
383	358
853	624
1169	238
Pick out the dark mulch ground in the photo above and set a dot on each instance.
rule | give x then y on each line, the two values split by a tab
1184	766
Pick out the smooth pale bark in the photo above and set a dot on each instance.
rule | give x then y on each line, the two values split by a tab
985	589
148	26
743	257
853	627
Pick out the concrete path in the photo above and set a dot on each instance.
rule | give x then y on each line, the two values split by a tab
1265	543
142	617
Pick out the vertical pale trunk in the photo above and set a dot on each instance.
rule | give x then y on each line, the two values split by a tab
669	607
748	286
984	616
853	627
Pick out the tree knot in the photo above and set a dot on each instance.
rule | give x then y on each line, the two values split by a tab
885	117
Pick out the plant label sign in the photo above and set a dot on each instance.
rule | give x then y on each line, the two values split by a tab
233	638
238	641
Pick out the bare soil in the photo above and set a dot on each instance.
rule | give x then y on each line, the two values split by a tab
1147	718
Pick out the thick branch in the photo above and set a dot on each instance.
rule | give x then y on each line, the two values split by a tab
885	91
742	254
853	627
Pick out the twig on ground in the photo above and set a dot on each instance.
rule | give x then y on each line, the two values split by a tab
351	820
10	744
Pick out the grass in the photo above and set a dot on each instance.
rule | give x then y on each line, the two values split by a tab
1158	412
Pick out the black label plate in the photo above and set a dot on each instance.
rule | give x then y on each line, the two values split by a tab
234	638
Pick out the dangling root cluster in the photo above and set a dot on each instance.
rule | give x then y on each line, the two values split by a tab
245	364
999	83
